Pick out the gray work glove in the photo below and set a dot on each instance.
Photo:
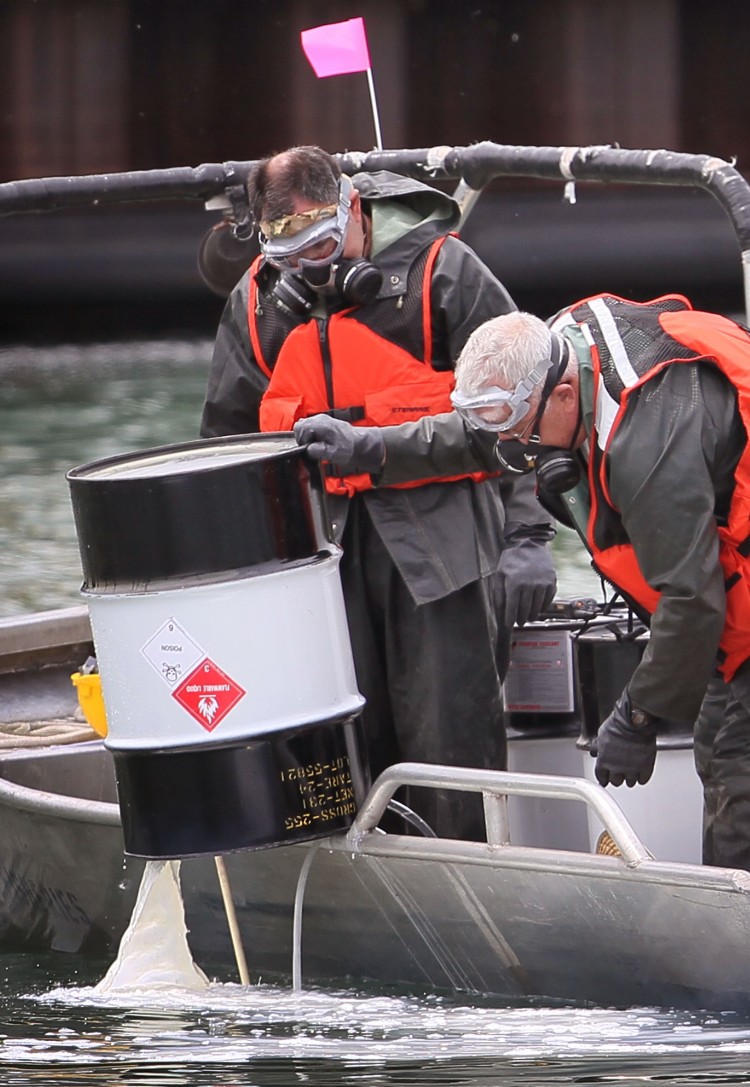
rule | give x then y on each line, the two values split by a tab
346	447
625	750
529	580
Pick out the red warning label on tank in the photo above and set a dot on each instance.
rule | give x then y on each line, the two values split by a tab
208	694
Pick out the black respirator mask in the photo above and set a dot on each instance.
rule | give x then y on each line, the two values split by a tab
557	470
303	279
356	282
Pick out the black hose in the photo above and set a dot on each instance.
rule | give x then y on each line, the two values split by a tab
477	165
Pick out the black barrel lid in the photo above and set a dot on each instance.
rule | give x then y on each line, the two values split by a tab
249	502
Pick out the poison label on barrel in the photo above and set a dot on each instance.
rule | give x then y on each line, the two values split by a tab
172	652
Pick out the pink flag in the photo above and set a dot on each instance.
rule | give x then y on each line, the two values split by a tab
337	48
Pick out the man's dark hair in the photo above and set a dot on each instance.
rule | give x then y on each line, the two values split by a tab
309	172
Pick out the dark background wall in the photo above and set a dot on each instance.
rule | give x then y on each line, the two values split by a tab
91	86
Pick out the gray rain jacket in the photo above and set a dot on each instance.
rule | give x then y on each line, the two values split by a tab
441	536
671	468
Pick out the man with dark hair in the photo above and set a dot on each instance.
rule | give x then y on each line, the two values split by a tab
358	307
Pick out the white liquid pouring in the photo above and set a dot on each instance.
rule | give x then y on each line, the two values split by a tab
154	951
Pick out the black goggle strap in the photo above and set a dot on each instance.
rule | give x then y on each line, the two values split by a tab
559	355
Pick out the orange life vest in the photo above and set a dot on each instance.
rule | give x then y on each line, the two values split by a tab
342	367
669	332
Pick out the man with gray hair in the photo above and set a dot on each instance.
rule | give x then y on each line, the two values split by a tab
635	418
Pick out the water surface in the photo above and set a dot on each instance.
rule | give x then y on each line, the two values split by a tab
64	406
56	1030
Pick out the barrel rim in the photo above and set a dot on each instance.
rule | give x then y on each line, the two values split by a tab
88	472
212	579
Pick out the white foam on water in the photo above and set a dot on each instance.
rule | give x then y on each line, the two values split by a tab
154	952
163	1008
232	1022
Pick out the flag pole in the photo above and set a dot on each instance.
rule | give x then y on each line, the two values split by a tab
374	104
339	49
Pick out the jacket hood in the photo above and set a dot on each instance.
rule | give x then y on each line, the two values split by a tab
426	201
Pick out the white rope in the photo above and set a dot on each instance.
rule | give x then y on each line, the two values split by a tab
44	733
566	160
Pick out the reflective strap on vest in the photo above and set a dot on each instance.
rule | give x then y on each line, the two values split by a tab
252	324
427	299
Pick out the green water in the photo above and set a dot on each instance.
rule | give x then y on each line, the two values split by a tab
55	1030
67	405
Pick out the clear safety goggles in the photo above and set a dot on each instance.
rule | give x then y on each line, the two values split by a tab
496	409
284	250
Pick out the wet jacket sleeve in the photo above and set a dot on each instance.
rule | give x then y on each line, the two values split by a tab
441	445
526	519
235	382
464	295
437	445
670	466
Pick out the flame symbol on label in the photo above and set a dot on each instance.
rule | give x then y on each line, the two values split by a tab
207	707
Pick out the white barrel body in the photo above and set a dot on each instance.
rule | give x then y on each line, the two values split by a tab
218	617
275	646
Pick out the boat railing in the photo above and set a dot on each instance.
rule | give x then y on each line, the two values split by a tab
473	167
366	839
632	861
495	787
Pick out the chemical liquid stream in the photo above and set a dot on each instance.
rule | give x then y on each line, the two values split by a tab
154	952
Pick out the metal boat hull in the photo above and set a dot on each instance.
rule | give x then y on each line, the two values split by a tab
533	912
517	921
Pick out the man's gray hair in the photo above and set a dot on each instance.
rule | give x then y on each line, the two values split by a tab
502	351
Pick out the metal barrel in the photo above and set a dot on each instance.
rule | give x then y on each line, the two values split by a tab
216	608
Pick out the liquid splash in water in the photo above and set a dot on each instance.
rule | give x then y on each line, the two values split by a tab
229	1023
154	1009
154	952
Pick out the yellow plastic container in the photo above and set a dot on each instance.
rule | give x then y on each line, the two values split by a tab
90	699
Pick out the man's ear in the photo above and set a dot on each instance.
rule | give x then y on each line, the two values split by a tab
356	205
566	397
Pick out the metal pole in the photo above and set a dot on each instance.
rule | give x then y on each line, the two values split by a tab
234	929
746	282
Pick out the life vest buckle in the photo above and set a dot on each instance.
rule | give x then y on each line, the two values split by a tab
347	415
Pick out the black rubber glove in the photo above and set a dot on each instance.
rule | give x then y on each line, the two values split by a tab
529	580
348	448
625	752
